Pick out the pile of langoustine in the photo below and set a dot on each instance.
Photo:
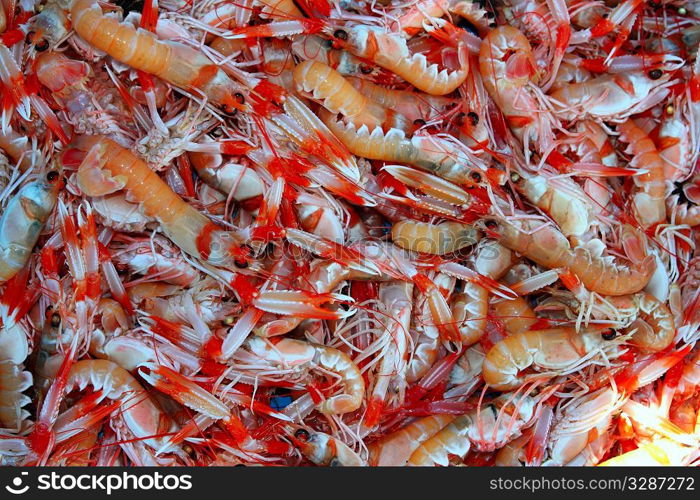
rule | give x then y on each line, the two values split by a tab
349	233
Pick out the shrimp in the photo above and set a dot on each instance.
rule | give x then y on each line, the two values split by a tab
451	440
130	349
548	23
226	46
242	183
48	27
437	155
649	200
68	80
675	141
289	352
390	51
570	71
469	309
323	449
177	64
412	21
593	145
396	448
557	350
335	93
549	248
108	167
472	121
397	298
685	416
517	315
562	199
427	342
64	77
432	185
487	429
653	328
156	258
680	211
23	221
466	374
116	212
578	422
507	66
437	239
324	277
413	105
614	96
139	412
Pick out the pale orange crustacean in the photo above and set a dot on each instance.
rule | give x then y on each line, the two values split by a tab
330	233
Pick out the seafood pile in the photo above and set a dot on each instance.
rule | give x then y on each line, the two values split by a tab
349	232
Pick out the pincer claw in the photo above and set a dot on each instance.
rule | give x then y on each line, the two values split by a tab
303	304
462	272
183	390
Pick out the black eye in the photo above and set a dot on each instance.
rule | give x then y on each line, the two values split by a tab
491	224
42	45
366	70
335	463
52	176
474	118
340	34
475	176
515	177
302	435
419	122
610	335
229	110
55	320
242	264
655	74
239	97
468	26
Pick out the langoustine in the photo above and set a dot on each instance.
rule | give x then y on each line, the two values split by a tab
377	238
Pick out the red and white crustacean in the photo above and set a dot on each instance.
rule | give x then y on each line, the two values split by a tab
337	233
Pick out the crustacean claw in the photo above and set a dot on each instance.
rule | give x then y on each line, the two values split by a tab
183	390
303	304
